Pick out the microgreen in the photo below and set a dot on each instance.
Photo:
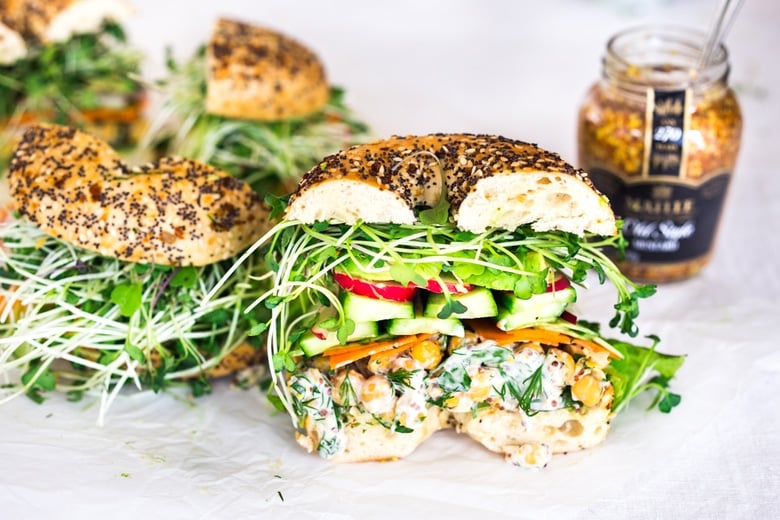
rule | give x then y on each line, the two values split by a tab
59	81
91	331
270	156
303	256
128	297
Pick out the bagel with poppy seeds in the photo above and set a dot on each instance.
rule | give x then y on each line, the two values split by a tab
69	61
261	74
108	270
425	282
491	182
255	103
171	212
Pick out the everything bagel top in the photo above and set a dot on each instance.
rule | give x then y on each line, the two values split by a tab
171	212
491	182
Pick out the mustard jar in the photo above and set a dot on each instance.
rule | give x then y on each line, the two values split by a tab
659	134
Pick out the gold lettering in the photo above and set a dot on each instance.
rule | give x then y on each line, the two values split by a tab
665	162
660	208
669	107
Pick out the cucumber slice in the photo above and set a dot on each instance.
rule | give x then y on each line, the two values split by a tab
362	308
313	344
479	303
426	325
516	313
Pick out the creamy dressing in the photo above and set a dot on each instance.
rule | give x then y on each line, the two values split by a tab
411	407
487	372
313	394
529	380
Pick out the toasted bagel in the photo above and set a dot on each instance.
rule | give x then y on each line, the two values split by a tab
366	440
515	434
170	212
257	73
491	182
12	46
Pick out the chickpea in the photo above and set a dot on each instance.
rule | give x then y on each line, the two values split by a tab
561	362
347	387
427	353
377	394
587	390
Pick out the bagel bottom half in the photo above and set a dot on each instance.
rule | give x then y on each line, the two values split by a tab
524	441
366	439
530	441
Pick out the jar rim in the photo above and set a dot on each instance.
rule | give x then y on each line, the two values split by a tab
668	55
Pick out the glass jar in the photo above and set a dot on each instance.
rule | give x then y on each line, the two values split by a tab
659	136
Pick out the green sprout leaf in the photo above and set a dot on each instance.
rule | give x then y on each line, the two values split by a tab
135	353
345	331
451	307
128	297
278	205
258	329
437	215
186	277
405	274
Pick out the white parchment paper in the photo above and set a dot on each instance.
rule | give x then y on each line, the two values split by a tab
499	67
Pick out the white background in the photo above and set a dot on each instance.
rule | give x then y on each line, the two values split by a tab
517	68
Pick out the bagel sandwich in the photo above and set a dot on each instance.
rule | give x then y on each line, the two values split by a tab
104	268
69	62
256	103
426	282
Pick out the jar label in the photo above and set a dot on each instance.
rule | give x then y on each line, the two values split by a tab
666	123
663	221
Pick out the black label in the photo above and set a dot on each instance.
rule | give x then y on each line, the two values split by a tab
665	222
667	126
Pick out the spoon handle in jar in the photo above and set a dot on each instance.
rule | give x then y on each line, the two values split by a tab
727	13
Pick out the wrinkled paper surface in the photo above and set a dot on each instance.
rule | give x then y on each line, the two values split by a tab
228	455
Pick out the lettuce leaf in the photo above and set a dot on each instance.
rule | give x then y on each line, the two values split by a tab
643	369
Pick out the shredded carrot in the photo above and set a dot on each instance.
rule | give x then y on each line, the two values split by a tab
595	347
488	330
340	356
126	114
381	357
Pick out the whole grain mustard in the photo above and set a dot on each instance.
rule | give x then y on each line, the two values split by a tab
660	137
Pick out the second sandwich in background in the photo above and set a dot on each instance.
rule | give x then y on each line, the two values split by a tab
69	62
255	103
